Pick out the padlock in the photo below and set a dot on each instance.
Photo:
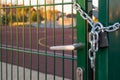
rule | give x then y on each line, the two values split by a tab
103	40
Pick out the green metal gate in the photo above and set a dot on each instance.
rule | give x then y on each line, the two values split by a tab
27	29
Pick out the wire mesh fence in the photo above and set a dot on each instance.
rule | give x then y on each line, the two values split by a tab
27	29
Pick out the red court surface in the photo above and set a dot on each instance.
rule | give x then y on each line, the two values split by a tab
38	40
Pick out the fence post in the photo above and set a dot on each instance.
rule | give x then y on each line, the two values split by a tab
102	55
107	59
82	37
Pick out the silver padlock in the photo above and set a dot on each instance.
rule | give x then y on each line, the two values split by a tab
103	40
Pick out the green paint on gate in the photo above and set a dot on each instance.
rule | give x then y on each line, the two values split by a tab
82	38
108	59
114	41
102	54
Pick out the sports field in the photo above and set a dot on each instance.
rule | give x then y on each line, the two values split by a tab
29	48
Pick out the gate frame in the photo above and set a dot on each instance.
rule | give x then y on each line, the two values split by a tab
102	54
82	38
107	59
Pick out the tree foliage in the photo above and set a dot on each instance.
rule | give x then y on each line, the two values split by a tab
26	14
5	20
36	16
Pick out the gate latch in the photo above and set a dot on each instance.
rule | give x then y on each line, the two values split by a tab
75	46
79	75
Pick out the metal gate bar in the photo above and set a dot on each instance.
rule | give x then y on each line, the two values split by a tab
20	43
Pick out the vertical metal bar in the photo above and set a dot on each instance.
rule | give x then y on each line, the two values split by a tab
102	57
63	39
82	32
23	40
11	30
1	24
17	41
54	41
72	41
30	39
0	41
6	39
38	22
45	42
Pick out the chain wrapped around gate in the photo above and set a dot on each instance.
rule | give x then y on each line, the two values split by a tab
96	30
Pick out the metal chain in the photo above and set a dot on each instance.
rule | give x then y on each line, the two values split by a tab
112	28
83	14
93	39
93	35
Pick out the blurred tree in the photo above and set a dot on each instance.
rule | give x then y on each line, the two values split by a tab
19	15
5	19
22	15
36	16
11	17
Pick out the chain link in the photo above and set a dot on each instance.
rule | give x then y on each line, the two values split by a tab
92	56
93	40
112	28
83	14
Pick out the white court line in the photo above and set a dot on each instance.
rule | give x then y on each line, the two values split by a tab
42	51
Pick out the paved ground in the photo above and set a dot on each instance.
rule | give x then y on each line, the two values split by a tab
27	74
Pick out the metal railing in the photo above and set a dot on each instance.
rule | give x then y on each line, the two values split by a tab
27	30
